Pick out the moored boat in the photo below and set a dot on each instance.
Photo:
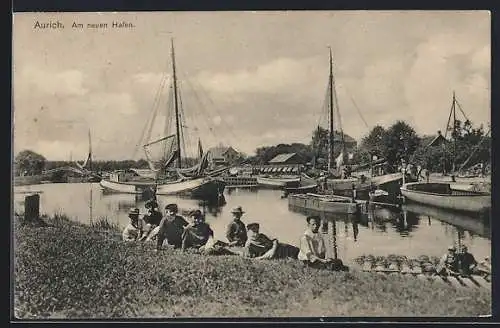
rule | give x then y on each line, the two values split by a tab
203	187
278	181
162	178
306	185
323	203
442	195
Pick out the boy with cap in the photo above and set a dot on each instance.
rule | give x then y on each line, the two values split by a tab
236	232
134	229
171	227
198	233
152	220
259	245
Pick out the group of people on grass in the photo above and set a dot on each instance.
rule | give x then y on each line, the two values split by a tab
242	239
458	262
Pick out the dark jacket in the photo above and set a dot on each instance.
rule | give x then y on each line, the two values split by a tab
153	218
196	236
236	231
172	228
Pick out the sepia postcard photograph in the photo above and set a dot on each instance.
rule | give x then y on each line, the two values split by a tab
251	164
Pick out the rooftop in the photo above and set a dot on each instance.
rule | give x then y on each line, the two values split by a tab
282	157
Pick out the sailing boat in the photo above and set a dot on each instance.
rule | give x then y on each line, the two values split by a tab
193	181
86	168
345	186
445	194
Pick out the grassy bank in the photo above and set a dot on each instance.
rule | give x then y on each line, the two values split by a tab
70	270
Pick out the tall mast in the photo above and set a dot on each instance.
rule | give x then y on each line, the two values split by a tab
331	131
176	106
454	134
90	153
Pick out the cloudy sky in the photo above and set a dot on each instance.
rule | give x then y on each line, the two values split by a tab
253	78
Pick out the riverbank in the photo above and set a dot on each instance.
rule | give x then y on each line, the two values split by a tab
69	270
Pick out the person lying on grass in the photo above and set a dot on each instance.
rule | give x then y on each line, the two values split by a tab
312	248
260	246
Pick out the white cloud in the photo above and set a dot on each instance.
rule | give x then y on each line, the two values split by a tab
31	79
481	59
265	76
111	104
279	75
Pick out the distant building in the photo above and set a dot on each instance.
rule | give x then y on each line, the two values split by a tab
287	158
349	142
222	155
437	140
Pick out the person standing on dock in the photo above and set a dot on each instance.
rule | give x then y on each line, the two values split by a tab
236	232
312	248
134	229
171	228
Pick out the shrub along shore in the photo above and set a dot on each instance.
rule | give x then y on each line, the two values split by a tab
70	270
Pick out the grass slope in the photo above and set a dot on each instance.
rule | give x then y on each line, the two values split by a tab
68	270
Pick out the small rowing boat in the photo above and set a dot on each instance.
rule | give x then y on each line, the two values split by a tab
442	195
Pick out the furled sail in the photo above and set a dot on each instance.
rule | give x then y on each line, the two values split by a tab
160	153
197	169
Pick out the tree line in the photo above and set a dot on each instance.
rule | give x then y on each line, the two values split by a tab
395	144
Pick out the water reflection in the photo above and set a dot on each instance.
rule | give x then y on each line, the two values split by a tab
414	231
480	224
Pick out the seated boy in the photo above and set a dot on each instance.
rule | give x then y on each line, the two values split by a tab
312	248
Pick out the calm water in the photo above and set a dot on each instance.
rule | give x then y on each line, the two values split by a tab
413	232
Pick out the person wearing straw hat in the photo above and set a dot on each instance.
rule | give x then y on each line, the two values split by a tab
134	229
448	264
236	232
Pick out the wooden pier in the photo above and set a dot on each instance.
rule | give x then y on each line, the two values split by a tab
240	181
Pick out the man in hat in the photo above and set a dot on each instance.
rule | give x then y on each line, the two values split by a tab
152	220
198	233
134	229
312	248
236	232
171	227
448	264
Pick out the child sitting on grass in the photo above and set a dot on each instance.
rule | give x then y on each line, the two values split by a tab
313	251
